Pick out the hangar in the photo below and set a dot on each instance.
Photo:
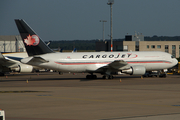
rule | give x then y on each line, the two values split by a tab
11	43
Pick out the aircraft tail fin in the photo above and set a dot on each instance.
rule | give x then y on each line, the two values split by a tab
33	44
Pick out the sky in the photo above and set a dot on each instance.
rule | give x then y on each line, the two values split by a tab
80	19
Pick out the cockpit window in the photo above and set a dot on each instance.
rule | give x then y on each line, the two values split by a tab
172	56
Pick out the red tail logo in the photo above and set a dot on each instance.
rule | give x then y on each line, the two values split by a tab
32	40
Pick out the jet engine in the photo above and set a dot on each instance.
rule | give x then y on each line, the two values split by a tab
22	68
135	70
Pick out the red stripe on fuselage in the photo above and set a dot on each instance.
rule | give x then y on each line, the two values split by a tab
82	63
150	62
90	63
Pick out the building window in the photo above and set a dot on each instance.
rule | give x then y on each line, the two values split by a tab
167	48
137	45
147	46
152	46
119	48
174	50
125	48
159	46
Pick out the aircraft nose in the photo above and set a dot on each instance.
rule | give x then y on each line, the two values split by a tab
175	61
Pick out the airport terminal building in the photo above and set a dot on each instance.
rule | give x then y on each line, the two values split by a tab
137	43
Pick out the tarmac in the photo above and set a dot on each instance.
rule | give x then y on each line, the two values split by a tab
50	96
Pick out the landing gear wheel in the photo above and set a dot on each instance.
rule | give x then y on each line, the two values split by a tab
94	76
107	77
88	76
91	77
163	75
111	77
60	73
1	74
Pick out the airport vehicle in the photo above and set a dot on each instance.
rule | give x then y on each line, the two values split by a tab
2	115
105	63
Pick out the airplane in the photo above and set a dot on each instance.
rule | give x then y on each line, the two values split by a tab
105	63
8	65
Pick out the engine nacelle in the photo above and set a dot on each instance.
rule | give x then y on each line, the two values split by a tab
135	70
23	68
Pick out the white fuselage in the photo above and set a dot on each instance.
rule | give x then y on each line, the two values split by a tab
92	61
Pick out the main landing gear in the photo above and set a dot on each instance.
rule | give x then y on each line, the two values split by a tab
108	77
91	76
95	77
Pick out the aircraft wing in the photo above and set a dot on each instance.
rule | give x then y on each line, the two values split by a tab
115	66
13	58
5	63
1	57
119	65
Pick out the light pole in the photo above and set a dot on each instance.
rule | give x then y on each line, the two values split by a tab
103	27
111	2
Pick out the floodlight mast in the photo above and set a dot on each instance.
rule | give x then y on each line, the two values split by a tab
103	28
111	2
